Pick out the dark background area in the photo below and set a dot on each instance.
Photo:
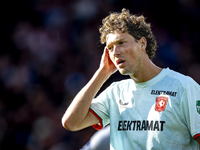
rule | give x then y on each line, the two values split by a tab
49	49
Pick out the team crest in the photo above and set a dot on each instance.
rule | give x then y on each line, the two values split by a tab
198	106
161	103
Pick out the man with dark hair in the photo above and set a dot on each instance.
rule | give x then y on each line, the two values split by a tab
155	109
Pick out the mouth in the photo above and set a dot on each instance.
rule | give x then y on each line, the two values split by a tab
120	62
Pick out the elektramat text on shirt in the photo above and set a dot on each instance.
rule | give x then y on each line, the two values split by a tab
138	125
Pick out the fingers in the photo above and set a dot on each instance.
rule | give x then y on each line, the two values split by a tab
106	62
106	53
108	59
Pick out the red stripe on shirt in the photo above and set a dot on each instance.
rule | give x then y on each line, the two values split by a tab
195	136
97	126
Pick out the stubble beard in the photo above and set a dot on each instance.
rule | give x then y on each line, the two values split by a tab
132	70
126	71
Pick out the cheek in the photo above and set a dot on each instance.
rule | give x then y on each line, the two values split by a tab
133	52
111	57
130	53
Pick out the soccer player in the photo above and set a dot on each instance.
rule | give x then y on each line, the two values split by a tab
157	108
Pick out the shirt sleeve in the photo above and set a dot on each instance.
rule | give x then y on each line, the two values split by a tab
191	109
99	108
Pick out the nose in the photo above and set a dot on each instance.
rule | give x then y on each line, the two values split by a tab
116	51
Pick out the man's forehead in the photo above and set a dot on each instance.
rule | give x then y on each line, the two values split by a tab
114	36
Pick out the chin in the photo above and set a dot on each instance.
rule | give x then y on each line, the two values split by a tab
123	72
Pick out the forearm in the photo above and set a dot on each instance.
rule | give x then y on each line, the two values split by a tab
77	112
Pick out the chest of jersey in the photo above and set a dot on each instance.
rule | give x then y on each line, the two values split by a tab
150	109
151	115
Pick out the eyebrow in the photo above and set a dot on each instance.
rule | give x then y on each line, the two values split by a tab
116	41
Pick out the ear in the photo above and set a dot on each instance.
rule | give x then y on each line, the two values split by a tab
143	43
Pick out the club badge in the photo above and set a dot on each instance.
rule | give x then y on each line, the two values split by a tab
161	102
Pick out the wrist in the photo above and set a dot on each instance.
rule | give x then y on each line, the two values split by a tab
103	73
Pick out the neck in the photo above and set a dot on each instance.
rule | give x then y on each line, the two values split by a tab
146	73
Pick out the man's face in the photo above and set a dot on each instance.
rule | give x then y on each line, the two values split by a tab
125	52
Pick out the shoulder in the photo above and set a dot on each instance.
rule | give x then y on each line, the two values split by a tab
117	87
124	82
121	84
181	79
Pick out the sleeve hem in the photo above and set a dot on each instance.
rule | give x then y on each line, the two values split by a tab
96	126
196	135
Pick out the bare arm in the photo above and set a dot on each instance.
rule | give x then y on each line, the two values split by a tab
77	116
198	140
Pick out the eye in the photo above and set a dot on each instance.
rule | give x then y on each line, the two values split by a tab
110	48
121	42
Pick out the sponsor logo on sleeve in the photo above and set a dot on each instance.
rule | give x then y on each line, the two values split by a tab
198	106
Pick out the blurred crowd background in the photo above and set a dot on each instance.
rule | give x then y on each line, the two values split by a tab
49	49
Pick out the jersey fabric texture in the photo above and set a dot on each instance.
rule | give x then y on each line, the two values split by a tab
162	113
